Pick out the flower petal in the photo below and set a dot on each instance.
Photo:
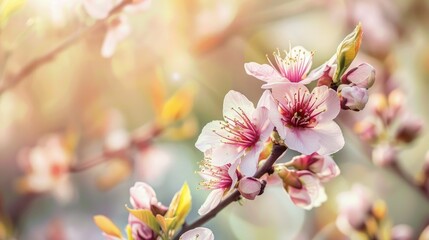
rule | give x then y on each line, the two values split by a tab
331	138
249	162
213	199
199	233
208	138
331	103
263	72
235	102
225	154
305	141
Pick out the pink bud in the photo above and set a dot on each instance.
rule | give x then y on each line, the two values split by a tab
142	196
323	166
311	192
384	155
251	187
139	230
402	232
361	76
367	130
353	98
409	130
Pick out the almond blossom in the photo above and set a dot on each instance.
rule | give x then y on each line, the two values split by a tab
292	68
240	137
220	180
46	166
304	119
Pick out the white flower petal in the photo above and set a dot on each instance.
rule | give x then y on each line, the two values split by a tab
213	199
235	101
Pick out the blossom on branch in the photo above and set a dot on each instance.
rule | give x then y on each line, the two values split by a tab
240	137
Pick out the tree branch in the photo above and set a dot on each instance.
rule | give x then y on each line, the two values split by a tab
276	153
11	80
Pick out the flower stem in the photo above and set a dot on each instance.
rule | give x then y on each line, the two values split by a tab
276	153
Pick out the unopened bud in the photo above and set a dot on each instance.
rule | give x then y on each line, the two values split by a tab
323	166
347	51
384	155
250	187
353	98
409	130
367	130
362	76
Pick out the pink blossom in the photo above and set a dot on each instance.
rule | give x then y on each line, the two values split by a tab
292	68
304	119
220	180
240	137
142	196
361	76
139	230
324	167
199	233
250	187
353	97
46	167
384	154
354	207
309	192
118	30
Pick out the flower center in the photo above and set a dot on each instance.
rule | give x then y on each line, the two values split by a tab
215	177
301	110
293	66
239	130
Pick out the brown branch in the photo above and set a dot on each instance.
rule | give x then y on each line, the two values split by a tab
141	139
398	171
12	80
276	153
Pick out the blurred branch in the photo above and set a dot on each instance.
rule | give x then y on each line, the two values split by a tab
10	80
142	139
399	172
276	153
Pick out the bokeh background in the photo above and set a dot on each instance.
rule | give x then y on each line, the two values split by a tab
199	46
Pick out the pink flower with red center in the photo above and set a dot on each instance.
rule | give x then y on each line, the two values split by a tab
220	180
292	68
240	137
304	119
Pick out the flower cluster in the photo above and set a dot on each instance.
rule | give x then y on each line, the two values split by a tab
363	216
389	127
299	118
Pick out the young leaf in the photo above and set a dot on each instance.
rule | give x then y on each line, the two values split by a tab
178	106
347	51
180	207
7	8
164	222
107	226
146	216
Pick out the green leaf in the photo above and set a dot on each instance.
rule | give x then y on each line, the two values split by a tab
7	8
129	232
107	226
180	207
164	222
146	216
347	51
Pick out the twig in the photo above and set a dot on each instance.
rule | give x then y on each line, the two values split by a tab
276	153
398	171
140	140
13	79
